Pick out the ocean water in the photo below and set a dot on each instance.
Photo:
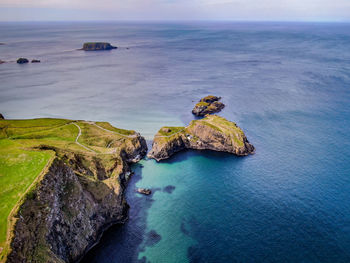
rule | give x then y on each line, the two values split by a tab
287	85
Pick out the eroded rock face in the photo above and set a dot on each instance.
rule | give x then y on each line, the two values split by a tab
77	199
210	133
208	105
95	46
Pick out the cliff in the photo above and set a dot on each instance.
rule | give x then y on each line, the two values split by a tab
210	133
78	195
95	46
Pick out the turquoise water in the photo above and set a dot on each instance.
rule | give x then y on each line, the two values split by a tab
287	85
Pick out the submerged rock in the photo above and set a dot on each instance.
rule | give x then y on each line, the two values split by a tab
35	61
210	133
208	105
95	46
144	191
22	60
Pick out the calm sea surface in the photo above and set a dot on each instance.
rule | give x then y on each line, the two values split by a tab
288	87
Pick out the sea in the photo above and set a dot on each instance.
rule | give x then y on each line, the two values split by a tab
287	85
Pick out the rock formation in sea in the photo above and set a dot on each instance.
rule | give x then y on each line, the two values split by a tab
35	61
95	46
210	133
78	197
22	61
208	105
2	117
1	61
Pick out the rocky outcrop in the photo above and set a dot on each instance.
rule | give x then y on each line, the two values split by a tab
1	61
144	191
2	117
76	200
95	46
22	61
208	105
210	133
35	61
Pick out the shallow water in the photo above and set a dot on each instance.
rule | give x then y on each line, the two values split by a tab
287	86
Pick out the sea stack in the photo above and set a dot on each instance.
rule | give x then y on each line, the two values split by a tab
208	105
96	46
210	133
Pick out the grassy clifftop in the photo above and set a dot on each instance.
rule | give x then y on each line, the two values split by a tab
27	147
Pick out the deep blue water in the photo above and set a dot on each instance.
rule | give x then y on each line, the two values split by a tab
287	85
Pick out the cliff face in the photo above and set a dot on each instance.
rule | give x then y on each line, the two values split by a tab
77	199
211	133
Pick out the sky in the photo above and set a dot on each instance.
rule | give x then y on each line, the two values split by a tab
153	10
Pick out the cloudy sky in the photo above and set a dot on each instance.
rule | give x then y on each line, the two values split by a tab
281	10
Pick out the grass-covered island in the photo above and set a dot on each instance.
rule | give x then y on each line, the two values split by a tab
210	133
208	105
62	183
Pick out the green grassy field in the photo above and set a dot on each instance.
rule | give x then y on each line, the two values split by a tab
26	147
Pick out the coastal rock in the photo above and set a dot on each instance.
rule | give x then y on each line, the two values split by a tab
2	117
35	61
210	133
95	46
208	105
144	191
22	61
1	61
76	200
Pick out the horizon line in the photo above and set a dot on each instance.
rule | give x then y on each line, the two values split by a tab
182	20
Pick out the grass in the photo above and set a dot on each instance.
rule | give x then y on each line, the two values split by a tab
168	131
202	103
25	152
18	169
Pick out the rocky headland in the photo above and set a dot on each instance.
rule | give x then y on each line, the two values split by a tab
208	105
96	46
210	133
79	193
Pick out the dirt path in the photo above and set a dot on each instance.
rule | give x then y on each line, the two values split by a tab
77	138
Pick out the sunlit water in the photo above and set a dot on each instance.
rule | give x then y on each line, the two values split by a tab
286	85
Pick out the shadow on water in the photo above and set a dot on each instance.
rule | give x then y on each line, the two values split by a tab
122	243
186	154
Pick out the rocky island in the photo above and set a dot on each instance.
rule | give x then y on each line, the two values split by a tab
210	133
22	60
96	46
65	185
208	105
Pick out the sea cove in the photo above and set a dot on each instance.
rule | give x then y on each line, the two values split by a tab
285	84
